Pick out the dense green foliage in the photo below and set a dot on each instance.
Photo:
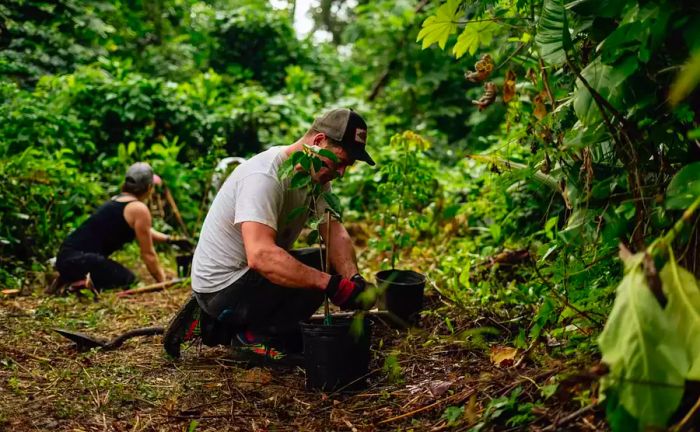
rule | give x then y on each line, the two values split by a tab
522	172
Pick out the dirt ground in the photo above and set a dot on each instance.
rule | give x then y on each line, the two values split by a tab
426	379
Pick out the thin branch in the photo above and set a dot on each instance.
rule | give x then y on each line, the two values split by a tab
545	81
564	299
557	424
513	54
688	417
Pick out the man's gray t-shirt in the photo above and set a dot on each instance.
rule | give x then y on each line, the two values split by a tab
252	193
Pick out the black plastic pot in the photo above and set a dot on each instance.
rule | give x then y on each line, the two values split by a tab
335	355
184	265
403	293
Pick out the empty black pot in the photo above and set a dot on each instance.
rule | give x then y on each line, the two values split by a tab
403	293
336	355
184	265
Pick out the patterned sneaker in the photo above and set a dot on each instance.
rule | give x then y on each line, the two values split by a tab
259	351
184	327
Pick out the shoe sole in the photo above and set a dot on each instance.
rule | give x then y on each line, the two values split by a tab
172	339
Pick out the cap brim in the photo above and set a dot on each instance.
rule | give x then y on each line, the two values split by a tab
363	156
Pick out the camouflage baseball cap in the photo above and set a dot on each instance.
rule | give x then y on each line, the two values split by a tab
347	127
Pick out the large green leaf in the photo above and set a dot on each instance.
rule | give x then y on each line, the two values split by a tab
439	27
605	80
645	354
684	187
473	36
683	309
553	38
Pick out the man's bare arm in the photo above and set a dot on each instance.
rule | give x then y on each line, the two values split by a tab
274	263
342	252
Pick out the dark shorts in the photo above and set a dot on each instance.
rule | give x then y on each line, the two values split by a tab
254	303
105	273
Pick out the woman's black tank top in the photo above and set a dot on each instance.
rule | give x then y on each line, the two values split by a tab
104	232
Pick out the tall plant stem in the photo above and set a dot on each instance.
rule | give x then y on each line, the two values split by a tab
394	246
327	268
663	243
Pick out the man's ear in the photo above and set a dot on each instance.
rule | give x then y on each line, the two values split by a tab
319	138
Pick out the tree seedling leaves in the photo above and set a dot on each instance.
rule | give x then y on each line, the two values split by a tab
305	163
333	201
313	237
439	27
296	157
329	154
296	213
300	180
684	187
285	169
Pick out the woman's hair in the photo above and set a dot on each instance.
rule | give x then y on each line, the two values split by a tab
134	189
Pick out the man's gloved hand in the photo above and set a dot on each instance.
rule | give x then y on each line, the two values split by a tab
181	242
345	292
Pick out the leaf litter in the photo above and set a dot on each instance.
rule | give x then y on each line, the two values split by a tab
440	382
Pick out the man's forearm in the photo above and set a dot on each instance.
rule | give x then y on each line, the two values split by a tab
280	268
342	252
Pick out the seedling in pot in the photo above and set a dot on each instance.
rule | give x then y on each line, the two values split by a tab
408	185
300	167
336	352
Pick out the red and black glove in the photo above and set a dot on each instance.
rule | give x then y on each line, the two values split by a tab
343	292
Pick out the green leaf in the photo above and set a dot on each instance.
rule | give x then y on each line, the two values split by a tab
452	414
305	163
684	187
313	237
296	157
296	213
550	227
683	310
553	38
300	180
285	169
192	426
333	201
605	80
473	36
439	27
329	154
645	353
495	231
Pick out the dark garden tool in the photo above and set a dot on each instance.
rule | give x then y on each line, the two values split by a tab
85	342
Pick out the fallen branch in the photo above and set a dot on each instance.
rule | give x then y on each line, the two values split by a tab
557	424
150	288
431	406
